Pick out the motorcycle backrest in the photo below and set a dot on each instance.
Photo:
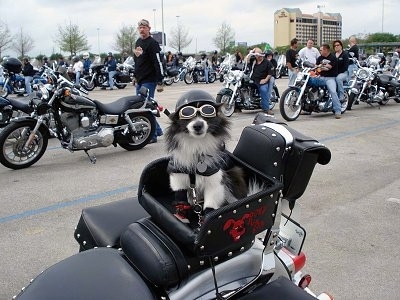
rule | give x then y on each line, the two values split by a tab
290	162
224	230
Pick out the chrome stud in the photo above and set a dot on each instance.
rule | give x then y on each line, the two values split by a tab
216	258
189	267
247	206
78	235
241	249
273	215
209	232
273	134
234	211
278	149
275	164
259	200
84	243
201	247
229	254
201	262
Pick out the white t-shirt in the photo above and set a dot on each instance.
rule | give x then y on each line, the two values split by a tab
309	54
78	66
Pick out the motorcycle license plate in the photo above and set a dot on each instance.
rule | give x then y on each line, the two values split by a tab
292	234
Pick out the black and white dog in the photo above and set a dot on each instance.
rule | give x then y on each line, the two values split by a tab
195	139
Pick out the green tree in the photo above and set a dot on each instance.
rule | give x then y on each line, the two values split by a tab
125	40
70	39
381	38
225	35
5	37
22	43
179	38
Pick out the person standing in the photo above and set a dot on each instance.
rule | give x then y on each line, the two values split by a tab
86	63
28	73
309	53
77	68
261	73
343	64
111	65
329	70
291	57
270	56
149	71
353	52
204	62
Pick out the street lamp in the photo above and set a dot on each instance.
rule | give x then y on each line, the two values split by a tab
154	12
162	26
383	9
320	27
98	39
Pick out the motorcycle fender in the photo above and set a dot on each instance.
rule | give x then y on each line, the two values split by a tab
29	119
225	91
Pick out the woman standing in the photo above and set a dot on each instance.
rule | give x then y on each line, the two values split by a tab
343	64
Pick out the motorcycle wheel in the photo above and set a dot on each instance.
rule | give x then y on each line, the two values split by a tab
120	85
225	108
12	140
278	73
274	97
289	110
88	84
176	79
345	103
352	98
146	125
211	78
188	78
169	81
3	91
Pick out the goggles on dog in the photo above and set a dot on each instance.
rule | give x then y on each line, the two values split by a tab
189	112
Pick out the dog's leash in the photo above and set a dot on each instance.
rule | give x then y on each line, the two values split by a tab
197	208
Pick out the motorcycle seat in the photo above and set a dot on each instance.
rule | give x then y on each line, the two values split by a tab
101	273
388	80
21	104
118	106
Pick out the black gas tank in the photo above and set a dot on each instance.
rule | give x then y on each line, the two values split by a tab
76	103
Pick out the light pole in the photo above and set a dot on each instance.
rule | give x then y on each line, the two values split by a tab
98	39
154	12
162	26
320	27
383	10
178	33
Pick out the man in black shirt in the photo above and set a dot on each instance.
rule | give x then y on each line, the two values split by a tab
353	52
28	73
329	70
261	72
291	57
149	71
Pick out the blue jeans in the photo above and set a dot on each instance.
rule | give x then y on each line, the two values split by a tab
339	81
77	77
111	75
351	69
331	85
292	76
151	86
270	88
28	87
206	74
264	94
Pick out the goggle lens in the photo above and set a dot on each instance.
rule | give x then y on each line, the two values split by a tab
189	112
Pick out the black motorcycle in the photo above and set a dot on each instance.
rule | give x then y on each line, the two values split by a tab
248	249
195	73
13	82
80	124
98	77
241	93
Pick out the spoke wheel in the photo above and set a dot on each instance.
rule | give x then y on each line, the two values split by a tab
226	109
287	104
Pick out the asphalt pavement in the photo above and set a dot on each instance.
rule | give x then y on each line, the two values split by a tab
350	210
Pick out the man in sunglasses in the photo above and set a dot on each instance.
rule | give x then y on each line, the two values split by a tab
148	65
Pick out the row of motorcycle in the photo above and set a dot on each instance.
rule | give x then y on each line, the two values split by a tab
59	108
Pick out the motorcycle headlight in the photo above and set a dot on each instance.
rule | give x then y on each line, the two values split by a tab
362	74
230	77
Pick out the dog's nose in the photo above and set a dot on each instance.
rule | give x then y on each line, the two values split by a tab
198	126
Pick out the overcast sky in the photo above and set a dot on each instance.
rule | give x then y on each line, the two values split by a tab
252	20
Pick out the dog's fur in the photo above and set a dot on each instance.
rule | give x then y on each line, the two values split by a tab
203	139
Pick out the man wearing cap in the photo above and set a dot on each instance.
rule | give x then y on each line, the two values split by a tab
112	69
148	65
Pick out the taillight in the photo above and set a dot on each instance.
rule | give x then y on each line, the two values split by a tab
305	281
299	261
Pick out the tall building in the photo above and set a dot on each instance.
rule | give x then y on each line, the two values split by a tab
291	23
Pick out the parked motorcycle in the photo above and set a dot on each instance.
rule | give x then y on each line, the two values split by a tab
249	249
13	82
281	69
98	77
171	75
307	94
371	87
240	92
195	73
81	124
225	66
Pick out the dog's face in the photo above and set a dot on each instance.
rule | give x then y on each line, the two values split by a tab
195	123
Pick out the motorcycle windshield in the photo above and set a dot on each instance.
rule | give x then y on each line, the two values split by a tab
129	61
96	62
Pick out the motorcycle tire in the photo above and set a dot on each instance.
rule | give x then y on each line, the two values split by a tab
274	97
188	78
278	73
211	78
289	110
345	103
3	91
177	79
88	84
225	109
352	98
12	140
120	86
169	81
142	136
